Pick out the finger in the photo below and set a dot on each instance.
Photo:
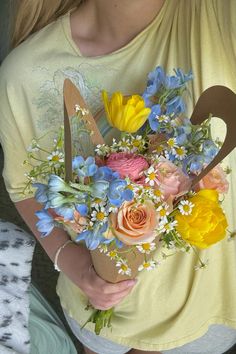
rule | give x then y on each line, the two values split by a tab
108	301
109	288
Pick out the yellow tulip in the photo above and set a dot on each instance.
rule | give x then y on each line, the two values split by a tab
125	114
206	224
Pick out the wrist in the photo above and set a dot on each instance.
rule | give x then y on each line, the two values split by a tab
58	252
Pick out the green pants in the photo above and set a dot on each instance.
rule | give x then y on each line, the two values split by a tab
47	332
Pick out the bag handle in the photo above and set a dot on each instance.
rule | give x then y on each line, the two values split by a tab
220	101
72	97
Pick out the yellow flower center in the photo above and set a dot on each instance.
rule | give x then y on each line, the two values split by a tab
100	215
162	212
124	267
146	265
146	246
55	158
180	151
159	149
171	142
136	143
186	208
129	186
112	254
152	176
157	192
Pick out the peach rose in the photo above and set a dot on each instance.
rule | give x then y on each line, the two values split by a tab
171	180
128	165
77	225
215	179
135	223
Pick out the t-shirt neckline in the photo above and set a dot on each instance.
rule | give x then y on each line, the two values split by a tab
65	22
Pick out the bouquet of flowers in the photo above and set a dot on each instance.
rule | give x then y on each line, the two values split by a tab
126	199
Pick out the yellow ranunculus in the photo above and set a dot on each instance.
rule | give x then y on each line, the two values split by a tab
125	114
206	224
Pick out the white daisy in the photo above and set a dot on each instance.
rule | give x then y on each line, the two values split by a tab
102	248
34	146
149	265
166	226
112	254
163	210
163	119
124	144
124	269
82	110
146	247
150	176
185	207
100	214
172	143
102	149
179	152
98	203
113	209
56	158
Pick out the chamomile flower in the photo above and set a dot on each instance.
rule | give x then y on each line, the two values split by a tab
103	248
56	158
124	144
83	111
112	254
34	146
185	207
150	176
167	226
179	152
148	265
172	143
124	269
112	209
100	215
102	149
137	143
157	195
163	210
98	203
163	119
146	248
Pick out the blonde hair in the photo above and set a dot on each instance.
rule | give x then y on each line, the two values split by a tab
32	15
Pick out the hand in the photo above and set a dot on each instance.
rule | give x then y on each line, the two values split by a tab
75	261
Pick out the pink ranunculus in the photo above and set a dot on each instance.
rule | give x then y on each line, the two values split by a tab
171	180
135	223
128	165
215	179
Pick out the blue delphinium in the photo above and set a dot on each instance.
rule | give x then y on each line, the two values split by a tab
153	117
105	173
41	192
84	168
46	224
118	192
163	94
94	236
210	150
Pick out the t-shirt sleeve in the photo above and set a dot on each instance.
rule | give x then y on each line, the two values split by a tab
14	133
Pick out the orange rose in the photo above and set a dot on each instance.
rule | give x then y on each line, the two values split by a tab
135	223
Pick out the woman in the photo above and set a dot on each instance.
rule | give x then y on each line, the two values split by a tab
112	45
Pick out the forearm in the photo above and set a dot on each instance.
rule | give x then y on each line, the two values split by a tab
50	243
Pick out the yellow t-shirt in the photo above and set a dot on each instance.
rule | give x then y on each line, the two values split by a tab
173	304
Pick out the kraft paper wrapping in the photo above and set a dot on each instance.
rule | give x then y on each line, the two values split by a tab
216	100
